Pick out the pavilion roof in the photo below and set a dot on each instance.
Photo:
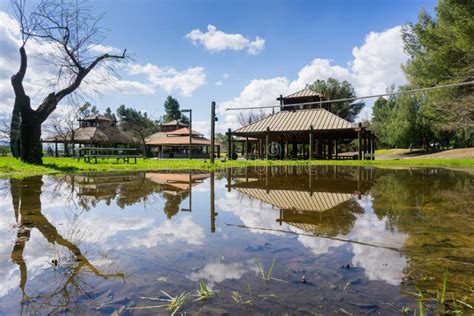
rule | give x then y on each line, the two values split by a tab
181	181
303	93
176	140
298	200
183	131
297	121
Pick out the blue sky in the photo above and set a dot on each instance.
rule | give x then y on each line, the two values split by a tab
303	41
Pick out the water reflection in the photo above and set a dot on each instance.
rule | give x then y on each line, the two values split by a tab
119	237
28	216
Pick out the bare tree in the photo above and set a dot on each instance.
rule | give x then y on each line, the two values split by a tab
4	131
72	32
250	117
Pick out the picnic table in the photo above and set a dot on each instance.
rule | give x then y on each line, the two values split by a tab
92	153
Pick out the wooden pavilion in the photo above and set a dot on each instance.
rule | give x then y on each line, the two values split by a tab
303	131
94	131
174	143
323	201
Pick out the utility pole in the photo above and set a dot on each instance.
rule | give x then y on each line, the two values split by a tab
213	129
190	129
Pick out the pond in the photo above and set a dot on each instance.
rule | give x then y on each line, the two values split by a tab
298	240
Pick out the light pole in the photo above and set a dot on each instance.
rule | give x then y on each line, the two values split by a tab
190	128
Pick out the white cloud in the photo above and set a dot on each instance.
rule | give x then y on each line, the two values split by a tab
225	75
218	41
219	83
375	66
104	49
261	92
216	272
170	232
170	79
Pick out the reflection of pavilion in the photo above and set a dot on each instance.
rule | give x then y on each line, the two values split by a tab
319	202
131	188
176	182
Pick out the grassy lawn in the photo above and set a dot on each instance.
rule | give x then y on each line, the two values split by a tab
12	167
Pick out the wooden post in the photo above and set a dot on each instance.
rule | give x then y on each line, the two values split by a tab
229	144
335	148
267	144
213	129
372	145
55	149
219	151
246	148
311	143
260	151
359	138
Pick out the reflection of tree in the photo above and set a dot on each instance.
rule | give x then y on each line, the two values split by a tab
173	201
26	199
125	189
435	208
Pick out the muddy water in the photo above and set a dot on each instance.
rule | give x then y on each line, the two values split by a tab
344	240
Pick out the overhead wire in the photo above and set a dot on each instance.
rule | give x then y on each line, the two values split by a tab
355	98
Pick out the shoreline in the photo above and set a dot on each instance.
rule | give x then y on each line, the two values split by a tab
13	168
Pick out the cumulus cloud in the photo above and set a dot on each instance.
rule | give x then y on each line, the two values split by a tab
216	272
376	65
170	79
262	92
104	49
170	232
217	41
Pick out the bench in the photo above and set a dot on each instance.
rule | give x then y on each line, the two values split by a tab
125	158
93	153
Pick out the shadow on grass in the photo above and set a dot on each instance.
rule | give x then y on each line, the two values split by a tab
60	168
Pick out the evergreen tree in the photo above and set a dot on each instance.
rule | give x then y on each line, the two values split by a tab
332	89
172	111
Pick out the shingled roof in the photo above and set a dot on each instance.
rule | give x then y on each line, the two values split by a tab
297	121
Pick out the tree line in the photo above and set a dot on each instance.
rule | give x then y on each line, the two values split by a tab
441	51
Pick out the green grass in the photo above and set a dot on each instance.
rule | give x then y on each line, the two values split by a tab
11	167
266	276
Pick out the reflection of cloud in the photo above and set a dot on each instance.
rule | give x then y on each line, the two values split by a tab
379	263
170	232
252	212
316	245
216	272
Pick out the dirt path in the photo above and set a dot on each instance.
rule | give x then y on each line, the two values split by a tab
458	153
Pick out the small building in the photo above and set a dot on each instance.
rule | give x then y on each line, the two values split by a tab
94	131
174	143
303	129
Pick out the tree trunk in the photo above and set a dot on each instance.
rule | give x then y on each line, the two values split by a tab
15	143
30	132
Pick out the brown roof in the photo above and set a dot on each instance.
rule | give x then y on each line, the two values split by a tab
303	93
294	121
177	140
298	200
183	131
178	180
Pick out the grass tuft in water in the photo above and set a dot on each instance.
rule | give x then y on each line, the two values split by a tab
204	292
173	305
266	276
